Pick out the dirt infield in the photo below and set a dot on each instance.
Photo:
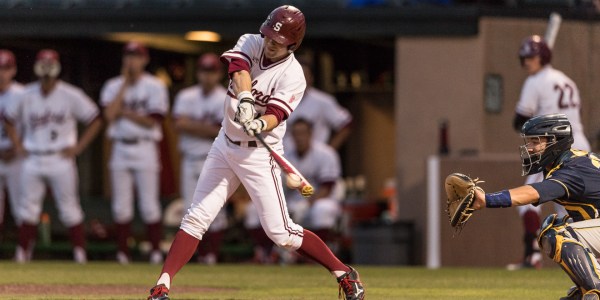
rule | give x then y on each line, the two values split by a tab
96	290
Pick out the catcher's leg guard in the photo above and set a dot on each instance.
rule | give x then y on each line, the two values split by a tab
591	295
574	293
561	244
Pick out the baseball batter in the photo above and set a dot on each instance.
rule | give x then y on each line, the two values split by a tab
571	179
198	113
546	90
10	163
266	86
135	104
324	112
48	112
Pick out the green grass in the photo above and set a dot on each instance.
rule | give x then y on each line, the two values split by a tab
290	282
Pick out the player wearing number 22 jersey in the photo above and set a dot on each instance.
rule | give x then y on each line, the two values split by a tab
546	91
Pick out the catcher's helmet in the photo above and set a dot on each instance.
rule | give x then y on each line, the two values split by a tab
285	25
7	59
556	128
535	45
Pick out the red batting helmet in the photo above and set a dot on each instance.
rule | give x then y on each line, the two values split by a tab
7	59
535	45
285	25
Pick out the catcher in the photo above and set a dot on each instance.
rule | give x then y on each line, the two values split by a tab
571	178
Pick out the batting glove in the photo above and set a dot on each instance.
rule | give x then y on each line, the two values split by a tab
255	127
245	110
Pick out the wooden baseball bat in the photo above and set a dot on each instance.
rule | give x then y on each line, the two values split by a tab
552	29
305	188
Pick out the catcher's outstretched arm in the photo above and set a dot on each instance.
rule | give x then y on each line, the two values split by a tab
522	195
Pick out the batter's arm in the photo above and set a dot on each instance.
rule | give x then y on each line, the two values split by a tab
272	121
519	196
187	125
241	81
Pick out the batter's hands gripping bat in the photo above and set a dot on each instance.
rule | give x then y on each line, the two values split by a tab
552	29
294	177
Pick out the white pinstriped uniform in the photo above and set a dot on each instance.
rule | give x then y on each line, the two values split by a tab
281	84
49	125
9	170
135	155
193	103
550	91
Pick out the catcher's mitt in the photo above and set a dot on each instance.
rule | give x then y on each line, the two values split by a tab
460	190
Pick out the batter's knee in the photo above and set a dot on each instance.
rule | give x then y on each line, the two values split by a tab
194	226
291	239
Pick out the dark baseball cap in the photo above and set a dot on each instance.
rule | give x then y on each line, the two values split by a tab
7	59
209	62
136	48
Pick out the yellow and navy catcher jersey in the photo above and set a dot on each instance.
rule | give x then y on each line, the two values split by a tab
574	183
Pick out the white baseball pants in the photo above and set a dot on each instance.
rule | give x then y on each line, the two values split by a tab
226	167
60	174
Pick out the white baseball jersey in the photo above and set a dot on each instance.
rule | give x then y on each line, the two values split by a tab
281	84
147	96
192	103
550	91
323	111
229	164
6	99
319	165
50	122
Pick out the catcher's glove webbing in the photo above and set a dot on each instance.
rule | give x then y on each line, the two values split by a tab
460	190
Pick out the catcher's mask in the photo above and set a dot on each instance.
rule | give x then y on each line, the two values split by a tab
555	131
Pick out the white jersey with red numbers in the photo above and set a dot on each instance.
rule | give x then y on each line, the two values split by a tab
281	84
323	111
146	96
7	99
550	91
194	104
50	122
